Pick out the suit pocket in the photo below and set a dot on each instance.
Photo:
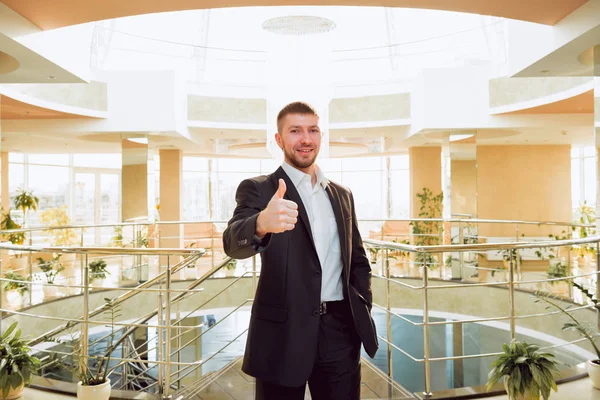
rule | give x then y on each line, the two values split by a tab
270	313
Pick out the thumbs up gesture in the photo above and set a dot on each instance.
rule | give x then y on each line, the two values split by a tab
280	215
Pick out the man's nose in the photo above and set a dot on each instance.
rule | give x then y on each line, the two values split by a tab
305	137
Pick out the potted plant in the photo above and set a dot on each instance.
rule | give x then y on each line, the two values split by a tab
17	366
16	287
427	233
19	262
60	237
24	201
588	332
230	267
528	372
94	382
51	269
97	271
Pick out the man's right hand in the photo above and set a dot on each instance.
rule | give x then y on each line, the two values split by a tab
280	215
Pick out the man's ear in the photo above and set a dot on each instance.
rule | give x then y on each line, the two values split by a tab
278	140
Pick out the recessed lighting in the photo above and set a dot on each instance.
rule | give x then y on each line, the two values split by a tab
544	71
51	77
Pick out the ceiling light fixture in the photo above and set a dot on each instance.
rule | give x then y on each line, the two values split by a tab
51	77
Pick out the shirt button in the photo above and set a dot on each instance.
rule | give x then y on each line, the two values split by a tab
316	313
317	273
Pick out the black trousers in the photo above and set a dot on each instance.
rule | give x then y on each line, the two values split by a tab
336	373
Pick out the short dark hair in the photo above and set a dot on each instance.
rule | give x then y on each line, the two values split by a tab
297	107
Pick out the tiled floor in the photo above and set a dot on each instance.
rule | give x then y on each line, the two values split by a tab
235	385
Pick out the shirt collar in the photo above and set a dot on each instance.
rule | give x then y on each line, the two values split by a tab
296	176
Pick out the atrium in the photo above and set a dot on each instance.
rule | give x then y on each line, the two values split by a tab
466	131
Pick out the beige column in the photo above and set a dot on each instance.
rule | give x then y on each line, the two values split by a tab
425	172
171	176
4	201
4	195
134	180
523	182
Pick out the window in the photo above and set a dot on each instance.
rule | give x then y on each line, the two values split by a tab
583	177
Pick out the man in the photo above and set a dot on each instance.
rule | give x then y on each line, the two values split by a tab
312	307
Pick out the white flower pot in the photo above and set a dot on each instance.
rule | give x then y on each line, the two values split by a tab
14	393
190	273
50	291
97	392
593	370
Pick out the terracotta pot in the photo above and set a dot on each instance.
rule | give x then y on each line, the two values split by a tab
14	393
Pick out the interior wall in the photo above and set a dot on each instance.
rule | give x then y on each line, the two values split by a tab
523	183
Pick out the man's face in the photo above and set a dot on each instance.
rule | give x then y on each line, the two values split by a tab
300	139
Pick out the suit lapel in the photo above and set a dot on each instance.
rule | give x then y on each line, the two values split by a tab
340	221
292	194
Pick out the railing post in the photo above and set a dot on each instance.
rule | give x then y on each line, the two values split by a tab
179	330
388	320
597	281
159	334
427	393
511	292
86	313
124	366
168	329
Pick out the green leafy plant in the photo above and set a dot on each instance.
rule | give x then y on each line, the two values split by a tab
17	366
18	282
556	270
525	369
51	268
374	254
25	200
231	265
56	217
587	331
117	238
427	233
97	270
17	238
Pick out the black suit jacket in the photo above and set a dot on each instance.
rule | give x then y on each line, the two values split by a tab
282	338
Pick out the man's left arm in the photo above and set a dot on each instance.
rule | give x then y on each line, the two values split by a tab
360	268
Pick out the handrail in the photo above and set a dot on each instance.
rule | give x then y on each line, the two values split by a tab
107	250
130	293
451	220
479	246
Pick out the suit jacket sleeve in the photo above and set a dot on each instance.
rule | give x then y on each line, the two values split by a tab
360	268
239	238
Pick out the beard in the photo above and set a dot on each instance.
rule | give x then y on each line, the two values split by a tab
300	162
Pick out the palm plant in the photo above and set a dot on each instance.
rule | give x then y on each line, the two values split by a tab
17	366
526	371
24	201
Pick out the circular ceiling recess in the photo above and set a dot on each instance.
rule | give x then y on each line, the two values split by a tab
298	25
8	63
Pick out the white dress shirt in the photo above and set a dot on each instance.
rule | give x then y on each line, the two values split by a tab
324	229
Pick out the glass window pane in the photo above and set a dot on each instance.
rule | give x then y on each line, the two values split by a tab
224	188
399	162
16	178
589	151
195	164
575	182
16	157
49	159
330	165
590	183
368	194
237	165
362	164
195	196
269	165
400	194
51	185
98	160
85	195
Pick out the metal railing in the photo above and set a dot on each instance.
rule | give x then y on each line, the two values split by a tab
172	338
